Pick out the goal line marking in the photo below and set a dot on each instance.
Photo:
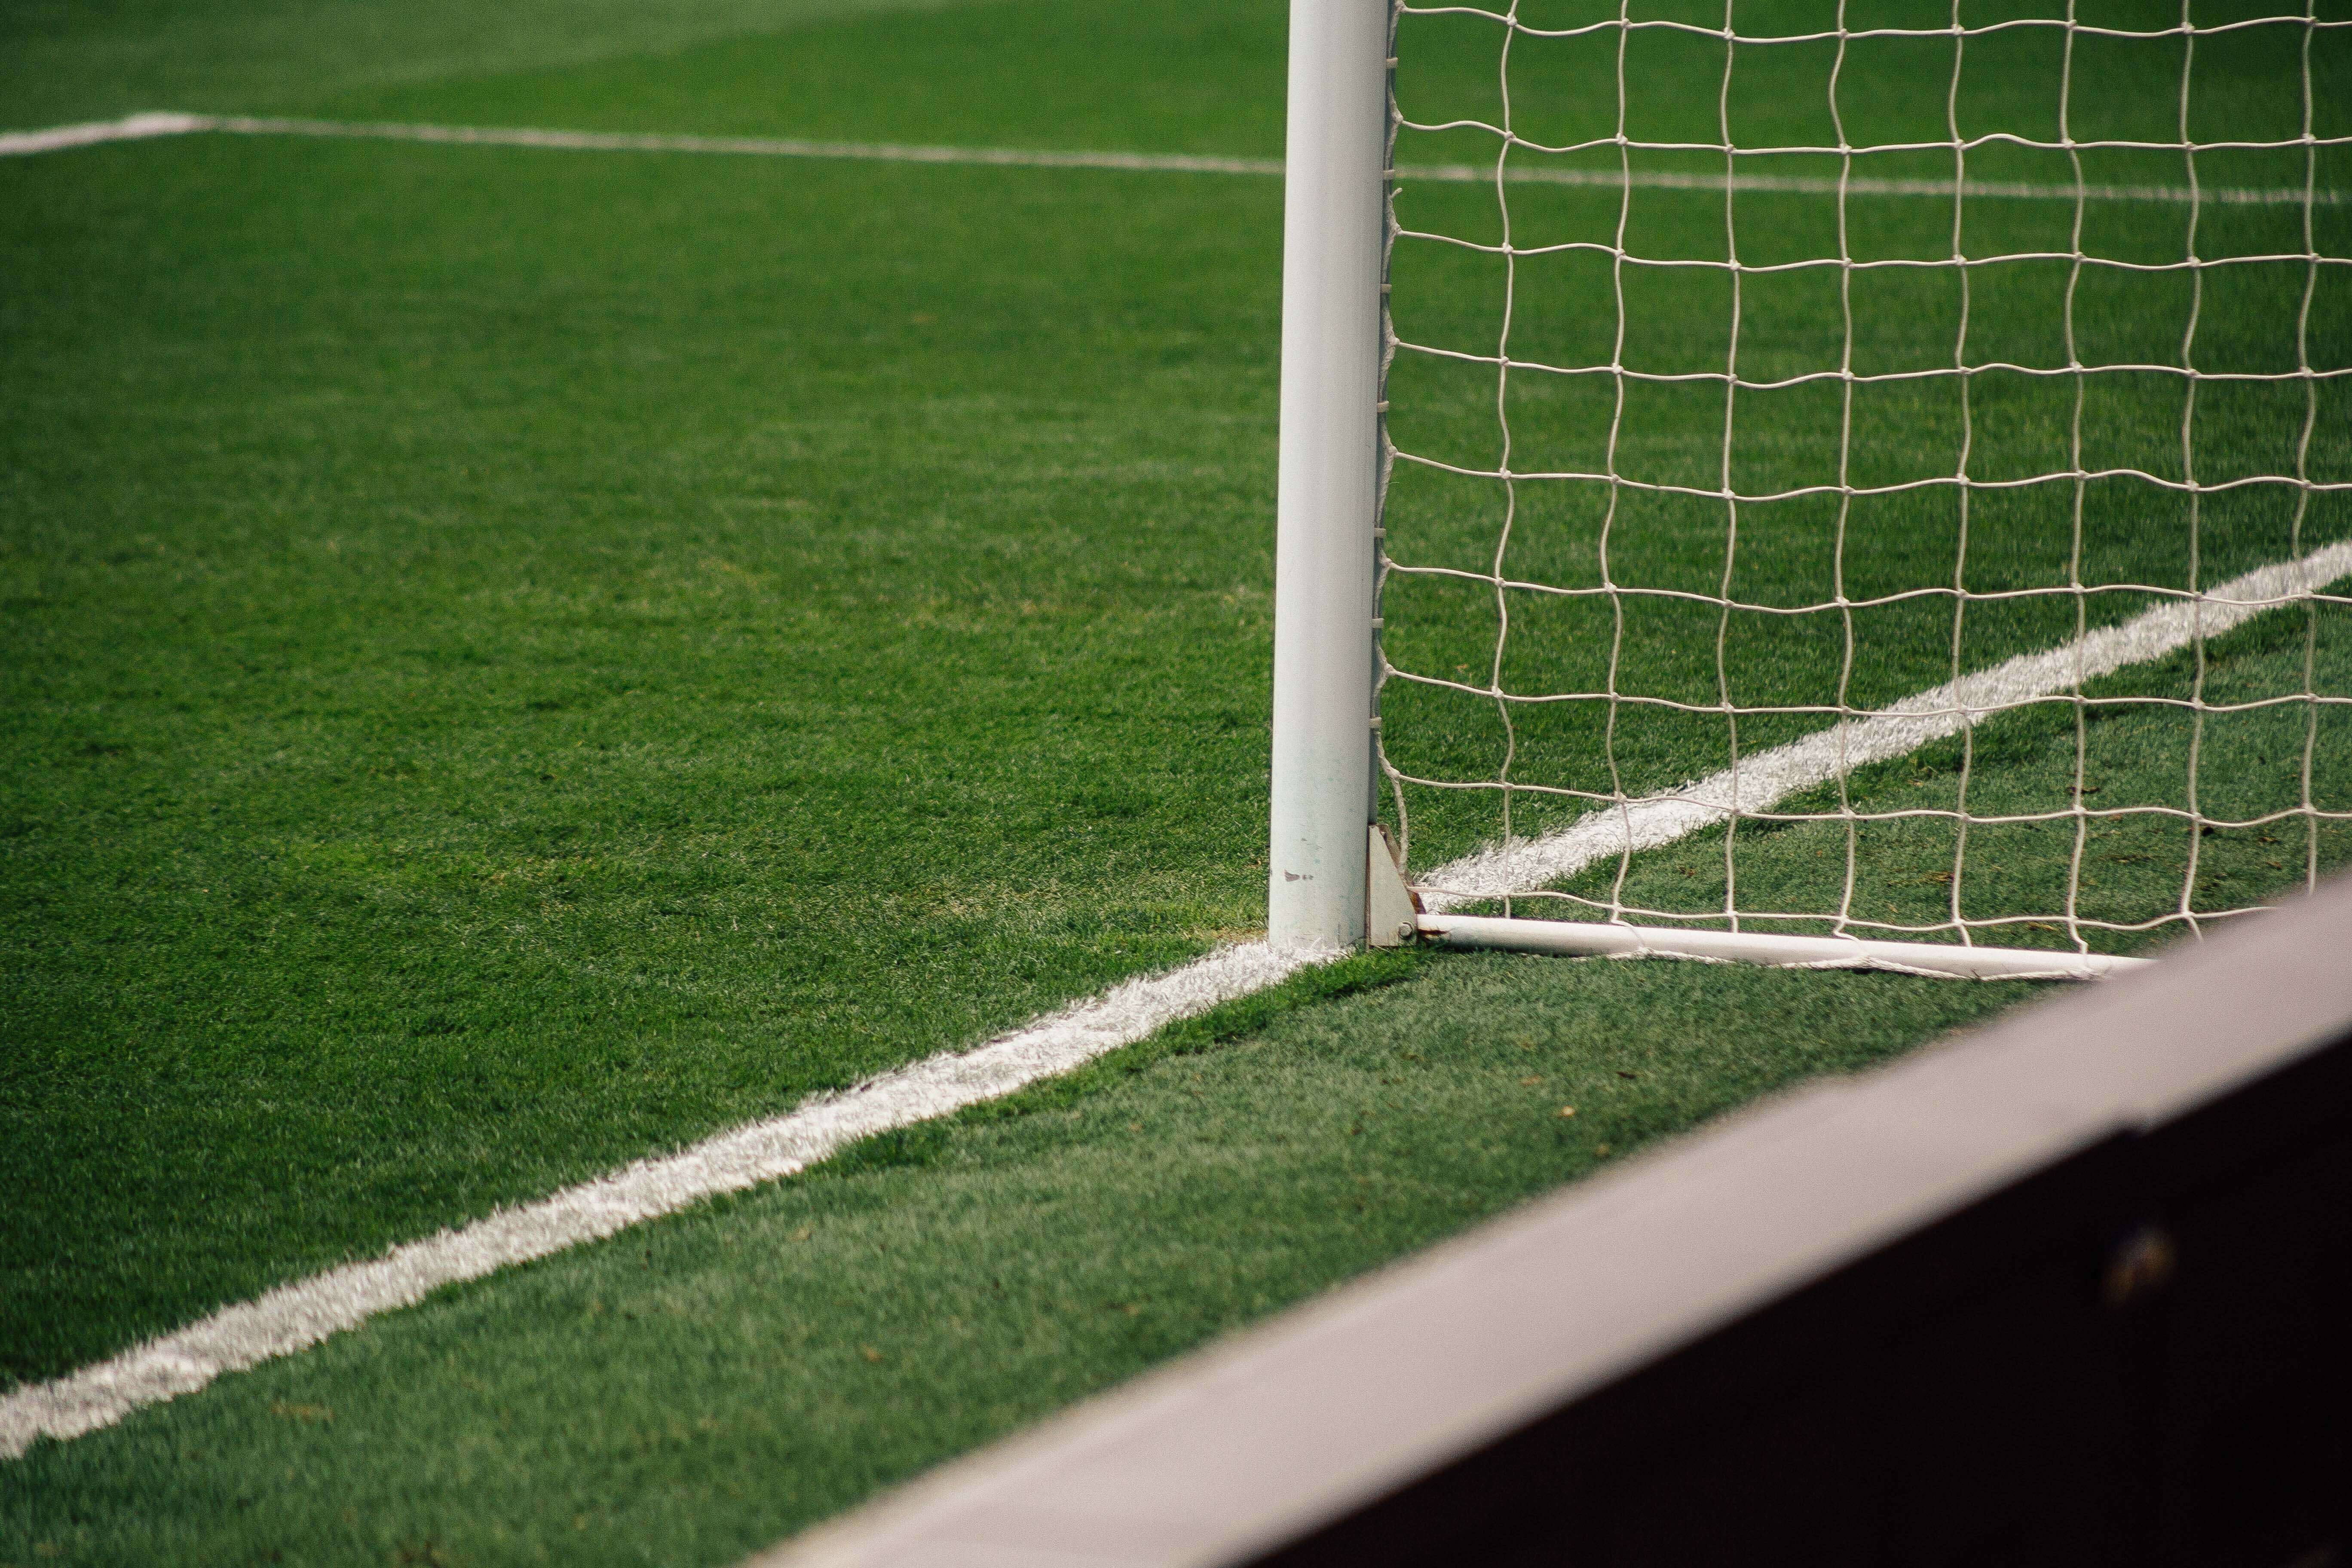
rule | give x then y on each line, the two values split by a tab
1761	782
303	1312
140	127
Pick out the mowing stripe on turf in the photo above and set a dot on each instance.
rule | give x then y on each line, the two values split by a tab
138	127
303	1313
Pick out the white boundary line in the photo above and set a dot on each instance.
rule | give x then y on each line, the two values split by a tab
298	1315
1764	780
130	128
745	146
138	127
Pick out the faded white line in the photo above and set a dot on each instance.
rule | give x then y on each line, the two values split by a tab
130	128
745	146
1764	780
1873	186
139	126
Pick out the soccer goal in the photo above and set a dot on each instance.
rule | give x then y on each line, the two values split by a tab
1816	481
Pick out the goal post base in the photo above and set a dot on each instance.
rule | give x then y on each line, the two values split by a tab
1592	938
1391	911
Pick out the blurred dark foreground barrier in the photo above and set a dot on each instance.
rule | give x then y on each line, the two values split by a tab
2074	1290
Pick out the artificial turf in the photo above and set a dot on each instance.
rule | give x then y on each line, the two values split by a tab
515	660
702	1386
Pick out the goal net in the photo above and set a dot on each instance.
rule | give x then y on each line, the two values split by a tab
1865	468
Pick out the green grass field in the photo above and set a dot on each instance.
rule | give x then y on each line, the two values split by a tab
512	661
692	1391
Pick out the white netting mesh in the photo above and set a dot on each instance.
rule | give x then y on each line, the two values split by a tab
1896	462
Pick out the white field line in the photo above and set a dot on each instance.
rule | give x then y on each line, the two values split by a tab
1872	185
1761	782
744	146
139	126
296	1316
132	128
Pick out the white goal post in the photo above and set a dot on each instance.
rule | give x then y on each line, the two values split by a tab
2019	420
1334	236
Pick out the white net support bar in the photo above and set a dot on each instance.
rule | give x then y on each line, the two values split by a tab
1875	475
1595	938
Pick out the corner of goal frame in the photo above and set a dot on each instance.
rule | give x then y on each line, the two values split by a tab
1389	906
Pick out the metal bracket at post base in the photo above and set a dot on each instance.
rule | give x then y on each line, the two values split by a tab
1390	910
